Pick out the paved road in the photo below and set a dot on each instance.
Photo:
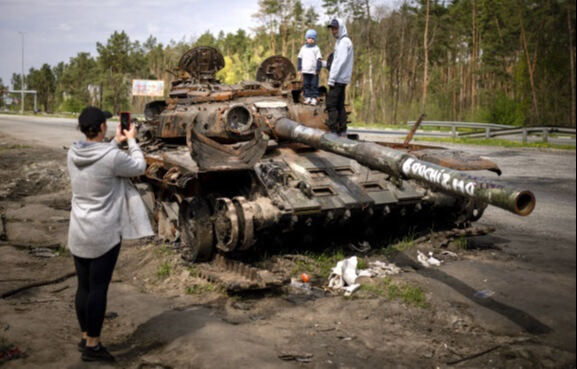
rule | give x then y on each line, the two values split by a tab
53	132
534	283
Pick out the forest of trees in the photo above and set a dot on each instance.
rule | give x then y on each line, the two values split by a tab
499	61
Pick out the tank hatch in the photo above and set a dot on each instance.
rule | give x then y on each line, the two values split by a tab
202	63
276	70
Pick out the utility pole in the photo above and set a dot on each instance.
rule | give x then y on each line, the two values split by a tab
22	86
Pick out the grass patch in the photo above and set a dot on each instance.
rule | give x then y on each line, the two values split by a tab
192	271
321	265
496	142
393	290
163	270
461	243
63	251
404	244
198	289
165	250
14	147
363	264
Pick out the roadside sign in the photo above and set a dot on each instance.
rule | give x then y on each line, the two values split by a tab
143	87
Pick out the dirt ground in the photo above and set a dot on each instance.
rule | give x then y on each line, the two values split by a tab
161	315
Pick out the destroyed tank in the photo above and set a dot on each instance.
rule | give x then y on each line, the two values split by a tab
234	166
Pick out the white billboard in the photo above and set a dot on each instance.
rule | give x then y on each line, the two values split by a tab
144	87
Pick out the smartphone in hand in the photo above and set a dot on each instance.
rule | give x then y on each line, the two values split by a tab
125	120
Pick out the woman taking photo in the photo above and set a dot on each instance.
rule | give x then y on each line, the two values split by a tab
106	208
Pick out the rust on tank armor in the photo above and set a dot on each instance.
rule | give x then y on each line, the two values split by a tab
234	165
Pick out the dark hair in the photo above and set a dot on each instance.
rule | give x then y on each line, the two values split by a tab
90	120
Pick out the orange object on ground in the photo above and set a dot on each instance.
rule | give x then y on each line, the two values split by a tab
305	278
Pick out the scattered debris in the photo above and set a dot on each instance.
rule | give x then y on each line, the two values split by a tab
42	252
241	306
483	294
153	366
344	276
362	248
378	269
111	315
428	261
473	356
28	246
236	276
296	284
449	253
37	284
443	238
298	357
8	353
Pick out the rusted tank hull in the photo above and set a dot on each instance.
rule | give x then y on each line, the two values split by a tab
230	169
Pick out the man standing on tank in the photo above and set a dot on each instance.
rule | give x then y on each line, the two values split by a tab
340	73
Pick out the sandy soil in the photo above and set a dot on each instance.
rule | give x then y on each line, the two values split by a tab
161	316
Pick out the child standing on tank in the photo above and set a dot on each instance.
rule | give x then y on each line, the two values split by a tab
310	64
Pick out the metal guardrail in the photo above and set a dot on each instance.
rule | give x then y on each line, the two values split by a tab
436	123
496	130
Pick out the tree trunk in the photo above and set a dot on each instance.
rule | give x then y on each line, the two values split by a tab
426	50
370	51
530	67
474	56
399	75
572	65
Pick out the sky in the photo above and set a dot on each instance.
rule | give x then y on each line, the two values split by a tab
56	30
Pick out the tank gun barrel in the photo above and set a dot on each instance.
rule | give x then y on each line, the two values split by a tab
406	166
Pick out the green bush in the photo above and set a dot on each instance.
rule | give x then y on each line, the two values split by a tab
504	110
71	105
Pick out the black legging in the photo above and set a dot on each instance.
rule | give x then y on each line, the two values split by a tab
94	276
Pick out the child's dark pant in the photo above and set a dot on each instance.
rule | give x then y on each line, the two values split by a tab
311	85
337	121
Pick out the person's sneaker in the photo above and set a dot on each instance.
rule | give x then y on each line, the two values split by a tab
97	353
307	100
313	101
82	345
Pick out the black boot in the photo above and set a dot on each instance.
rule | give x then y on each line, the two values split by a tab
97	353
82	345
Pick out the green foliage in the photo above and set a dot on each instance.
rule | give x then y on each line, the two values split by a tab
406	243
479	62
164	270
496	142
71	105
199	289
505	110
461	243
392	290
318	264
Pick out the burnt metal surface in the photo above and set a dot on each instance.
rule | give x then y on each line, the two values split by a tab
202	63
229	169
276	69
236	276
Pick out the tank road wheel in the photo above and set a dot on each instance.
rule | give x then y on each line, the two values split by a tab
196	230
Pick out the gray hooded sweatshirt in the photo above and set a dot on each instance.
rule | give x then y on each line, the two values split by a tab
106	207
342	67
